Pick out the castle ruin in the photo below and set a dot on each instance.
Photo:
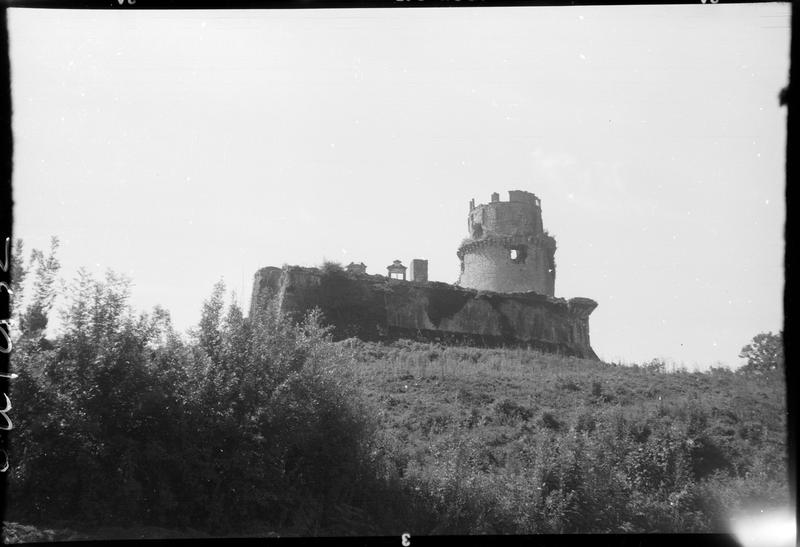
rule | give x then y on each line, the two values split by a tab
507	249
505	295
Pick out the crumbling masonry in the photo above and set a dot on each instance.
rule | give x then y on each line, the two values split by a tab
505	295
507	249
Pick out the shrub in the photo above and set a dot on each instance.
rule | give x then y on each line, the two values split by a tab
509	411
586	422
252	418
640	431
550	421
568	384
329	267
709	456
657	366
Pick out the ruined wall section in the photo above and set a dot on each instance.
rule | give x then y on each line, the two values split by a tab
373	307
505	218
349	304
266	285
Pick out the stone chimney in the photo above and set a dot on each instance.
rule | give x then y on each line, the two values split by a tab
419	270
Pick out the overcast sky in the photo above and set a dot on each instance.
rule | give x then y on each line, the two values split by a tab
652	134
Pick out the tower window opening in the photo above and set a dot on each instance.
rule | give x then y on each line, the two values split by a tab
517	254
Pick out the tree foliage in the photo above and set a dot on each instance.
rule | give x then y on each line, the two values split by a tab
45	271
18	274
764	354
121	420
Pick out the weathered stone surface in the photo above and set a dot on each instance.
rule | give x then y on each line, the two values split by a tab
374	307
419	270
507	249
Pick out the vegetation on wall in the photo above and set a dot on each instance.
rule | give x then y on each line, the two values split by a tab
348	305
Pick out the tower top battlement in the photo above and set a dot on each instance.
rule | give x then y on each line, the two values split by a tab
521	215
514	196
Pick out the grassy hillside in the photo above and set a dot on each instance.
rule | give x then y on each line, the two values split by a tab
264	426
444	440
515	441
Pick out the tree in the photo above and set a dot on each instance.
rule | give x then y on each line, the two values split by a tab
18	274
44	288
764	354
209	333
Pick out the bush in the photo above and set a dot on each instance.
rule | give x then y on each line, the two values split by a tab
550	421
568	384
252	420
329	267
508	411
657	366
586	422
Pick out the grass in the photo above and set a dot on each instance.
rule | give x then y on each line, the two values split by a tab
512	440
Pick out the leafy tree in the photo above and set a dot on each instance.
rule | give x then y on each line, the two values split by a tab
18	274
111	398
656	365
209	333
44	289
250	420
764	354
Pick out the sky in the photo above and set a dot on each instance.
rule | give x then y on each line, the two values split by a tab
181	147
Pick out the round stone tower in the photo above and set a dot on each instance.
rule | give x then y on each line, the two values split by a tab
507	249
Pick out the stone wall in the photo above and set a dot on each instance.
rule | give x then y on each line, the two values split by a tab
418	270
504	218
488	266
374	307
